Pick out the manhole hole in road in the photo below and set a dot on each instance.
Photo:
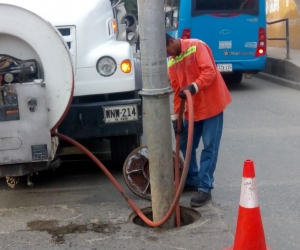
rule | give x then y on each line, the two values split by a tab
187	216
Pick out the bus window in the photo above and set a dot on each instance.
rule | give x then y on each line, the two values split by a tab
171	14
201	7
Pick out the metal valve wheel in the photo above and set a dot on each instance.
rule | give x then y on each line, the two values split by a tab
136	172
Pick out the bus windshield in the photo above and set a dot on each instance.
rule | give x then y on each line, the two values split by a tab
200	7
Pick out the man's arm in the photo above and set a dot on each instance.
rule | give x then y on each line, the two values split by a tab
176	101
206	63
175	86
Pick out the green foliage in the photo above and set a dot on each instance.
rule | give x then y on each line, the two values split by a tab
131	7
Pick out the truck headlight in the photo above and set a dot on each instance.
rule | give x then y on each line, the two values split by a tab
106	66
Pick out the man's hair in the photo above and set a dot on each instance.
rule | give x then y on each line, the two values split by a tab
168	37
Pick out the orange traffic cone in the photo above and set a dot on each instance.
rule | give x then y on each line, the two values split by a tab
249	230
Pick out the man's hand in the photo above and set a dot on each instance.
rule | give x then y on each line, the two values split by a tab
176	130
193	88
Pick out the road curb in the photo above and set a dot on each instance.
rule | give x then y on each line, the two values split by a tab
286	69
278	80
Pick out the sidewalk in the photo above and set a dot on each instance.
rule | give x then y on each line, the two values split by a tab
280	53
280	70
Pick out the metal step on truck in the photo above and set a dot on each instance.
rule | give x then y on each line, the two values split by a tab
63	69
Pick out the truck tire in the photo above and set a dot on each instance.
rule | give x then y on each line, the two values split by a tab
121	147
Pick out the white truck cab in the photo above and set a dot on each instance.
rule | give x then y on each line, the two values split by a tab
107	77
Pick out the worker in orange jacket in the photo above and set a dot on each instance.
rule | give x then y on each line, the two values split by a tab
192	67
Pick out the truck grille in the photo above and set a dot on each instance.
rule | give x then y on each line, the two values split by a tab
69	35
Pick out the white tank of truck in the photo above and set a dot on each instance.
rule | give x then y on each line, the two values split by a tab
91	81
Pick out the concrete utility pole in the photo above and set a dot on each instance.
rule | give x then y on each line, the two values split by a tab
156	92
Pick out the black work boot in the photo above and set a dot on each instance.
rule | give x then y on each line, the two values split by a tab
200	198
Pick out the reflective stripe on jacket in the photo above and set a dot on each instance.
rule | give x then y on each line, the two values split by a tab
196	64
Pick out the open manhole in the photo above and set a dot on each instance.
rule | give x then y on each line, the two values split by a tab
187	216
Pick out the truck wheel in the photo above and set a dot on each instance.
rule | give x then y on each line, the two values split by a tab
121	147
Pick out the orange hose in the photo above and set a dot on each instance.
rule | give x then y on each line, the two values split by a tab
118	186
177	157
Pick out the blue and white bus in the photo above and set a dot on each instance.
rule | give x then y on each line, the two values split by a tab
235	30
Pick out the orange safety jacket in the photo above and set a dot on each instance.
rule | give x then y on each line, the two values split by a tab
196	64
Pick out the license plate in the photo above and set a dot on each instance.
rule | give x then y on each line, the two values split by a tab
225	67
122	113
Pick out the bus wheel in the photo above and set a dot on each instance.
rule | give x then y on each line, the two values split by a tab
237	77
234	78
121	147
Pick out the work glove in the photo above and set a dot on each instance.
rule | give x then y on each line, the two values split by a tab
193	88
174	121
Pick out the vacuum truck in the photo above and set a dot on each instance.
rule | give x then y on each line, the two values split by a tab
63	69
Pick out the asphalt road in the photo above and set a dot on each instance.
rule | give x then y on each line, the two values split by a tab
262	124
76	207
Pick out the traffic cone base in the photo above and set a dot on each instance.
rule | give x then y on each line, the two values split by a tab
232	248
